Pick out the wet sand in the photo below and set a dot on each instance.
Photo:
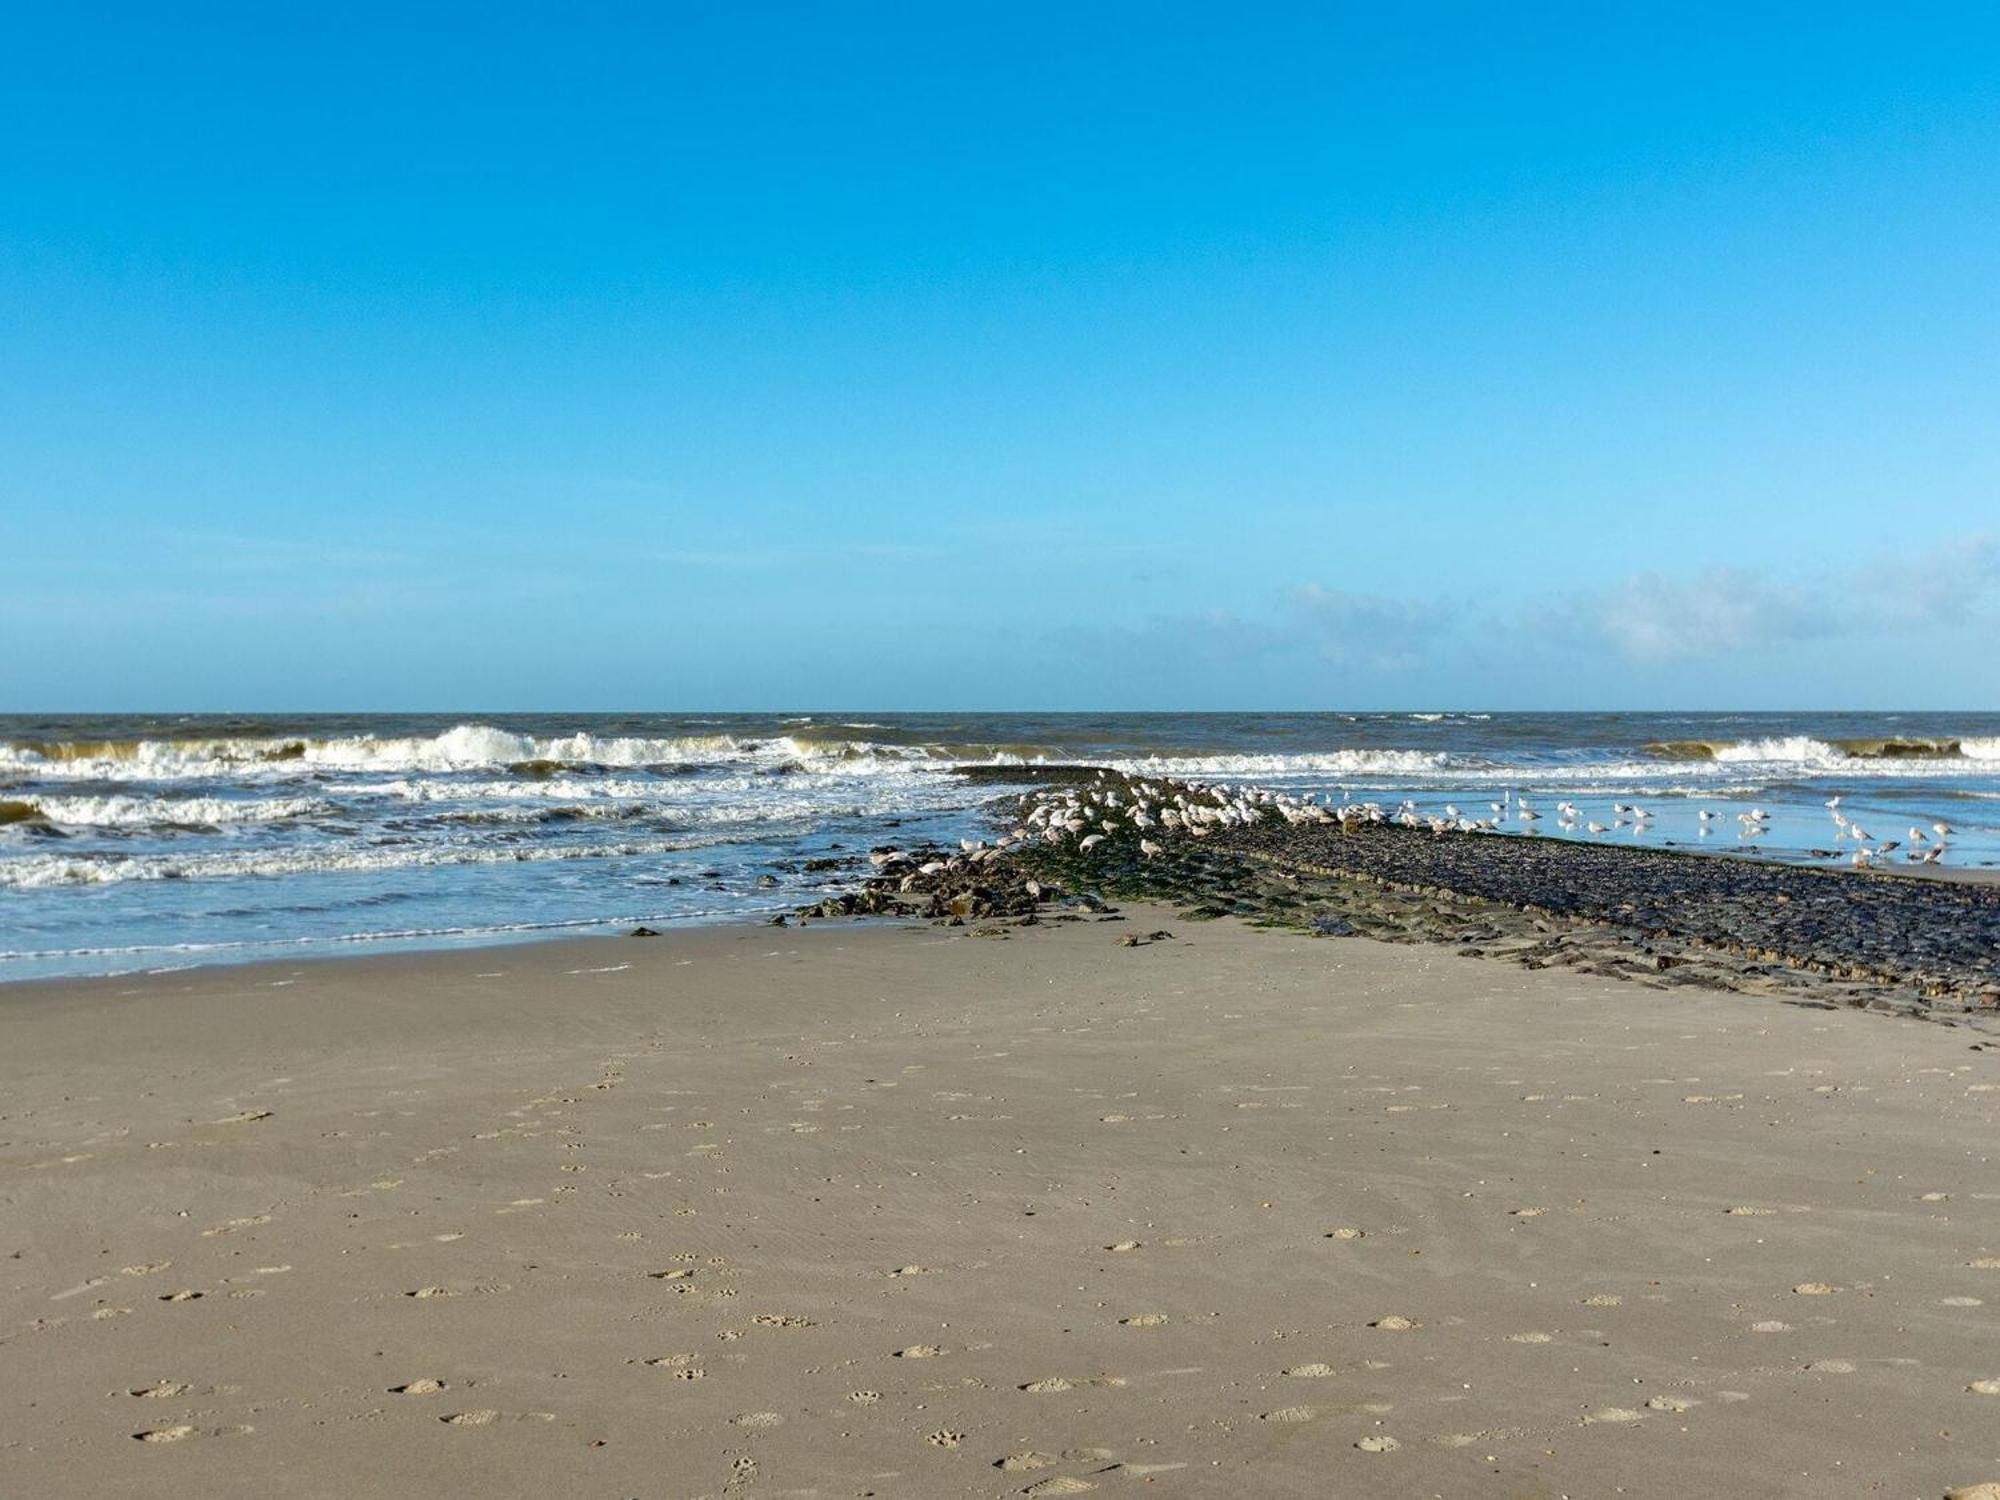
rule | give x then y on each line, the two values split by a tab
907	1211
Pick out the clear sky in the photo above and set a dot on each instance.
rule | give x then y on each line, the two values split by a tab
999	356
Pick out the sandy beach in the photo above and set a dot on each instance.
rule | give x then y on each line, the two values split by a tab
903	1211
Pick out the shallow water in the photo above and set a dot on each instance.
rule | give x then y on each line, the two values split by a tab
142	842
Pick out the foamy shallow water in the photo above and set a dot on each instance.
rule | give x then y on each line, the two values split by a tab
133	843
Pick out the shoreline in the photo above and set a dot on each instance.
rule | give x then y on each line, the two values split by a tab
909	1209
1434	873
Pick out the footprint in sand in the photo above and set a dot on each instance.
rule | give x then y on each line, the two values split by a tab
1529	1338
1289	1414
1313	1371
1770	1325
944	1437
1671	1403
1057	1383
1604	1299
1613	1415
919	1351
1123	1247
1064	1484
1346	1232
1016	1463
1985	1387
235	1224
757	1419
1383	1444
184	1295
864	1398
165	1434
1815	1289
486	1417
161	1390
1144	1320
1394	1323
1831	1367
424	1386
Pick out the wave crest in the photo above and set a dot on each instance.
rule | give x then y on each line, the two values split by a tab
1800	749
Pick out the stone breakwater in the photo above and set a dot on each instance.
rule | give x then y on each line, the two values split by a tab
1085	838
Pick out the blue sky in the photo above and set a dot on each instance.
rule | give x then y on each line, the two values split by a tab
905	356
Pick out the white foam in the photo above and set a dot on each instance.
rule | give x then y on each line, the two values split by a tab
1325	762
120	811
39	871
467	747
1794	749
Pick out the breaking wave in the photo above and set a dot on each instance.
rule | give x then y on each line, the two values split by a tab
43	870
464	748
119	811
1308	763
1803	750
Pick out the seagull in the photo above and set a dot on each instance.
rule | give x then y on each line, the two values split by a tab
1597	828
1943	830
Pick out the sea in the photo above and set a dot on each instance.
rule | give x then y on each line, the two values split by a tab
144	843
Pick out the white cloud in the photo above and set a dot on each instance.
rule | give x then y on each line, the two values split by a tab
1649	620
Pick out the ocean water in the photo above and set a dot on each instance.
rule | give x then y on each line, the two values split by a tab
143	843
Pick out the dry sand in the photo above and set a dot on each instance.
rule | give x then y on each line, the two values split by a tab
909	1212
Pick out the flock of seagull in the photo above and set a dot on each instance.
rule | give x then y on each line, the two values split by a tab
1925	848
1089	817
